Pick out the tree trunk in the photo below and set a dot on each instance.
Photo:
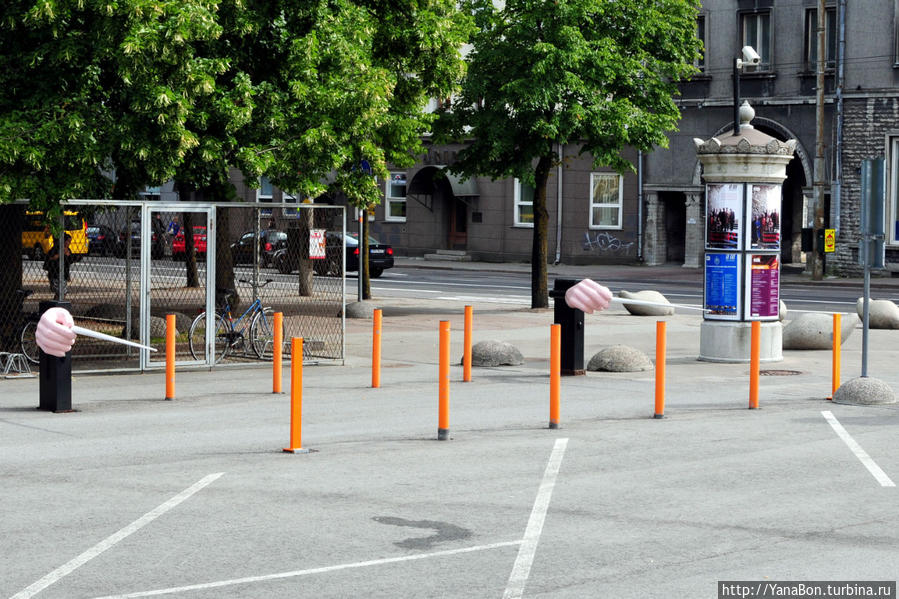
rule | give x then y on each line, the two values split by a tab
12	217
224	263
539	292
363	257
305	264
187	228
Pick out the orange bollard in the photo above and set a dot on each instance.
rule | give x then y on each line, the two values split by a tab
754	351
443	374
837	340
661	349
555	373
277	352
296	397
170	356
466	351
376	351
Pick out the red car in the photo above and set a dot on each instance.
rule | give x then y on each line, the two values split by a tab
199	243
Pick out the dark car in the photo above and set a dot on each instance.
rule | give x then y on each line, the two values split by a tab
270	241
102	241
157	243
380	256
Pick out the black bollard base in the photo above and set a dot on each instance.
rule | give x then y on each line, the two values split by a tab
55	374
443	434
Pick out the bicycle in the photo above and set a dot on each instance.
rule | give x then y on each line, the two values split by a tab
19	332
259	326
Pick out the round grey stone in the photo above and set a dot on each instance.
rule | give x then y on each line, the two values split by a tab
364	309
781	311
864	391
647	295
882	314
495	353
815	331
157	328
619	358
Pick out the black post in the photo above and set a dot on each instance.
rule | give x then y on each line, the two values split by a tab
736	96
572	321
55	373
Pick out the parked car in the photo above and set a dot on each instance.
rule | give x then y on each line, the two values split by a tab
157	243
380	256
102	241
270	241
37	240
178	243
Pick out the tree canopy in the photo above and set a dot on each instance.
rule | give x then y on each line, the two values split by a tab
598	73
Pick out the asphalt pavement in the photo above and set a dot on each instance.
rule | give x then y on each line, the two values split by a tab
135	496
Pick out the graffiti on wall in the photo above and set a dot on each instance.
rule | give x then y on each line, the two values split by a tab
603	242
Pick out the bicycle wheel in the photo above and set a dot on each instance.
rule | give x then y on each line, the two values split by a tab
198	338
262	332
29	343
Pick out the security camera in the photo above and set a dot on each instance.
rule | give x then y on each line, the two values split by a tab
750	56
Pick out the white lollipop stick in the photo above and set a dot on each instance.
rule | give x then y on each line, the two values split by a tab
89	333
637	302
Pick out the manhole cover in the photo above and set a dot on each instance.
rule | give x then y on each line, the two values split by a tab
779	372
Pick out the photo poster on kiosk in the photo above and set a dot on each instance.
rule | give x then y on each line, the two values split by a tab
725	206
722	286
762	287
764	218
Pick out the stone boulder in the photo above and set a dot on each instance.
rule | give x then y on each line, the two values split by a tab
882	314
157	328
781	311
864	391
619	358
646	295
363	309
815	331
495	353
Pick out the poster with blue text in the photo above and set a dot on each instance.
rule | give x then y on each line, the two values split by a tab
722	286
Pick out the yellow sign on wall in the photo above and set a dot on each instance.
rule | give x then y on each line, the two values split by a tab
830	240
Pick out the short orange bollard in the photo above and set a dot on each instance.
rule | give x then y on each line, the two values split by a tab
754	352
277	352
661	349
443	374
555	373
837	340
376	351
170	356
296	397
466	351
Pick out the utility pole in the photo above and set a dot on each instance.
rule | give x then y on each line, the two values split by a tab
817	262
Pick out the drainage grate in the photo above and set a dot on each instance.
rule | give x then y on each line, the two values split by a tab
778	372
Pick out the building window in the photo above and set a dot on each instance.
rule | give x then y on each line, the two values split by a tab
756	32
892	224
524	204
606	200
811	38
700	35
395	196
264	191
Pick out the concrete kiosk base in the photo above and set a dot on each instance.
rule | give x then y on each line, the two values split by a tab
724	341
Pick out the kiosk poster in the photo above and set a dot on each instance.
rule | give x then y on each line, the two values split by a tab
764	221
722	286
725	216
763	287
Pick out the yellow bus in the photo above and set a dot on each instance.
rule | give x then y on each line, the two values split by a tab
37	240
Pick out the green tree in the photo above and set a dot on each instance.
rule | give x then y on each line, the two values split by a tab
598	73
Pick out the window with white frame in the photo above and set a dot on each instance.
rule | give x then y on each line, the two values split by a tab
264	191
811	38
395	198
606	200
892	224
756	32
151	193
524	204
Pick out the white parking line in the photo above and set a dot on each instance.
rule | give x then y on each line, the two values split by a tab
295	573
111	540
522	568
860	453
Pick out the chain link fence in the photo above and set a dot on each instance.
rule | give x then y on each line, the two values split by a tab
223	270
